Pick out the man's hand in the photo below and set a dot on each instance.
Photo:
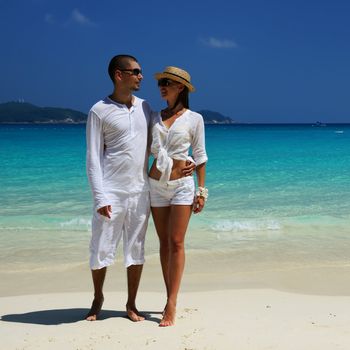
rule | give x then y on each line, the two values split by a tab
198	204
189	168
105	211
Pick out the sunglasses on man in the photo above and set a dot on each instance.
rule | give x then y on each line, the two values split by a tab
135	71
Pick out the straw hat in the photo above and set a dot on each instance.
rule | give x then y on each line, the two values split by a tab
176	74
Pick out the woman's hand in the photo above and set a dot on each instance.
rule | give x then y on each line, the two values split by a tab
198	204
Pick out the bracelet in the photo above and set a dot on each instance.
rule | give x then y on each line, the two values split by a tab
203	192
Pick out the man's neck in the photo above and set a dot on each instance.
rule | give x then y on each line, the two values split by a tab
122	98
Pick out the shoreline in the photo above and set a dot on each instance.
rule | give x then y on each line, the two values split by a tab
204	271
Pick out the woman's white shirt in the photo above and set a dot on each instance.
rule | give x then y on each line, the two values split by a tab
187	132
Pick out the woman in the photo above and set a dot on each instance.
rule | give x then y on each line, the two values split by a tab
173	198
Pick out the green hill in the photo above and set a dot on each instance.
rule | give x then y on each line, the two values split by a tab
20	112
211	117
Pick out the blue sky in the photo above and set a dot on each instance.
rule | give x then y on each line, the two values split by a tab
255	61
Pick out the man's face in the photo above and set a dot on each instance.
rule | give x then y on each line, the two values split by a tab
131	76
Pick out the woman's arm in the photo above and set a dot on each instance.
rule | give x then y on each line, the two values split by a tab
200	157
200	199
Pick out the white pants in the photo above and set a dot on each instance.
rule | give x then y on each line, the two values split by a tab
129	219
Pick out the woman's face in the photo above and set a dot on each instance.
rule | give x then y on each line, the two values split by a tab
169	89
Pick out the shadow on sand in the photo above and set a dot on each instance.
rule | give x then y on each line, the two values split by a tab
61	316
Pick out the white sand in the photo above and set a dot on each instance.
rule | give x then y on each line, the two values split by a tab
222	305
230	319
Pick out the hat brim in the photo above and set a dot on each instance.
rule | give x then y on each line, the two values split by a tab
174	77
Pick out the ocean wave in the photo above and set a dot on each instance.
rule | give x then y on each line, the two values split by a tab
245	225
76	222
25	228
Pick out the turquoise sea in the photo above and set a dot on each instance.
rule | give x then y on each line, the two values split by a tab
280	189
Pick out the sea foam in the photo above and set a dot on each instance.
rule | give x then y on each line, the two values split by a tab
77	222
246	225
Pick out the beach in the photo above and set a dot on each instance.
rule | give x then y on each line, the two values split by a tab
267	262
97	97
219	307
252	319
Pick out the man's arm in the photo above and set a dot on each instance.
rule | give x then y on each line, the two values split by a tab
94	159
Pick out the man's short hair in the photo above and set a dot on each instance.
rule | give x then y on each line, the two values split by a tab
119	62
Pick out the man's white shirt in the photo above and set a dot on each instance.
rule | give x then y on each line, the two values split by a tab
117	149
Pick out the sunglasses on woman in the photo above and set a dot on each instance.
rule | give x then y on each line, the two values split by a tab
165	82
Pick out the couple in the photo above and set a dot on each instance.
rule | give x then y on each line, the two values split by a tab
121	129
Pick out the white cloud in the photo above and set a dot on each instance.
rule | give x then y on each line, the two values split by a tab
49	18
219	43
78	17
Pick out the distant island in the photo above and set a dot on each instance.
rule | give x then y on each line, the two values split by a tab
22	112
211	117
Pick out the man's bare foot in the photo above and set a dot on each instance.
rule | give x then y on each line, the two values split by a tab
134	314
169	314
95	310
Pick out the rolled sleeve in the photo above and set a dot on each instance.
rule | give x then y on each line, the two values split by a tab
198	143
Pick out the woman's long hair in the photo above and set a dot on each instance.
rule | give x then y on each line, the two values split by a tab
183	98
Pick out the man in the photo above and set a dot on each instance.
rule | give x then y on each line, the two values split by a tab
117	134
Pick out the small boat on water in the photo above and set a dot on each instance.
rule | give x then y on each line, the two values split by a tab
319	124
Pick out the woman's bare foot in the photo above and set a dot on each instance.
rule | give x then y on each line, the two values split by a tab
133	313
169	314
95	309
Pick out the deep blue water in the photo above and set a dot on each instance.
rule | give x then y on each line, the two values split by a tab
261	178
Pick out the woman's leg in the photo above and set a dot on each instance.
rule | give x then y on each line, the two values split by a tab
161	217
179	218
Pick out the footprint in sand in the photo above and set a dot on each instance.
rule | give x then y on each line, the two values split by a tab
187	311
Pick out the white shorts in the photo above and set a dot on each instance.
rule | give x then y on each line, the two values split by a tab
129	219
174	192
